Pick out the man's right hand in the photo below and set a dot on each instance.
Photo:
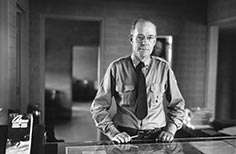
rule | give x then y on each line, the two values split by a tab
121	138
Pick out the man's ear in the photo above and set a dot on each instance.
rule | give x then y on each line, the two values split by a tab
131	39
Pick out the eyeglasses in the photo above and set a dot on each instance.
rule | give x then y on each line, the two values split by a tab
149	38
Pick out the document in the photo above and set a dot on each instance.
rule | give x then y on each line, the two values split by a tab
229	130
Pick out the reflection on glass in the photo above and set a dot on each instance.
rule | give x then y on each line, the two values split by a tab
160	148
172	148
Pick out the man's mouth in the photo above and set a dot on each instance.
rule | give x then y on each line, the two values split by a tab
143	48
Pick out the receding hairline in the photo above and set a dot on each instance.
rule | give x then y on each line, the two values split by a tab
140	20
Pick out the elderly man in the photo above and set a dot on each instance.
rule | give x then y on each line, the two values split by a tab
138	84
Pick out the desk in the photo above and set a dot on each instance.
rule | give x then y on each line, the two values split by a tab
211	145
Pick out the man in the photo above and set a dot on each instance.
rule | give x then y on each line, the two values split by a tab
122	81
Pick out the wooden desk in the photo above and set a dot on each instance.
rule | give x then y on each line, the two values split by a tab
204	145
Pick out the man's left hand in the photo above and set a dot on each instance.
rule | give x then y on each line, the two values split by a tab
165	136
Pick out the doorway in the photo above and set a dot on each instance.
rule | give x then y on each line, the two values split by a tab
226	74
84	73
66	45
221	87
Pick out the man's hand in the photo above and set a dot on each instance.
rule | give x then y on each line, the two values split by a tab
165	136
121	138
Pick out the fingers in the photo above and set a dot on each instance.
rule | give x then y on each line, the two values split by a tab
165	137
122	138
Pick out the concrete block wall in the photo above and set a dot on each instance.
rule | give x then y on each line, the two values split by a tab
220	10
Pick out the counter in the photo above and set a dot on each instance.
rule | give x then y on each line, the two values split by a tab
206	145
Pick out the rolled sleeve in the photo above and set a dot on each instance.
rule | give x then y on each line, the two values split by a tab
176	103
102	103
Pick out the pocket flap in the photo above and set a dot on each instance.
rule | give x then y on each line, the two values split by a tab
128	88
125	88
157	88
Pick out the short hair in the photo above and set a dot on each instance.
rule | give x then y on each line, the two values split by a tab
140	19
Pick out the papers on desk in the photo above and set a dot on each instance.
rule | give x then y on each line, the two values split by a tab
200	126
214	147
229	130
198	118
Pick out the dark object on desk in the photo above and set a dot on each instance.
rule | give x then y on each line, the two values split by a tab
51	148
37	140
3	138
186	132
220	124
141	134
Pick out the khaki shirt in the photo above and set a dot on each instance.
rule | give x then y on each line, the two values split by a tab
119	82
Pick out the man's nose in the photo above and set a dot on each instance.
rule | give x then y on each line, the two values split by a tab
144	41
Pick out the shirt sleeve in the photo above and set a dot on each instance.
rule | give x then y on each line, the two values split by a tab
102	103
176	103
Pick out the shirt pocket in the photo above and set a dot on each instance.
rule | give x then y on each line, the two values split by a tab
157	93
127	94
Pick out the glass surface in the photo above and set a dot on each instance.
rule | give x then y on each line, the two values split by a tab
195	147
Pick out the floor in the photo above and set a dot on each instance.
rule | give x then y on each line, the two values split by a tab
80	128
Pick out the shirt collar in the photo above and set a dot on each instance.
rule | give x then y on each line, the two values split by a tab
136	61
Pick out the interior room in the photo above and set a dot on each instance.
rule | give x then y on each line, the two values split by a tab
54	54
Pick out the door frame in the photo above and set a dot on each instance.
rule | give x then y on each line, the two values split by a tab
43	18
211	62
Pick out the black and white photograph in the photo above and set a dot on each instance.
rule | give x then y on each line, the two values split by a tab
118	76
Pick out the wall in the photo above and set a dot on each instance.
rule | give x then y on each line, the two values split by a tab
85	61
221	10
8	55
3	54
185	20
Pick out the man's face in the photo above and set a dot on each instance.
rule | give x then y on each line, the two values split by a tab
143	39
